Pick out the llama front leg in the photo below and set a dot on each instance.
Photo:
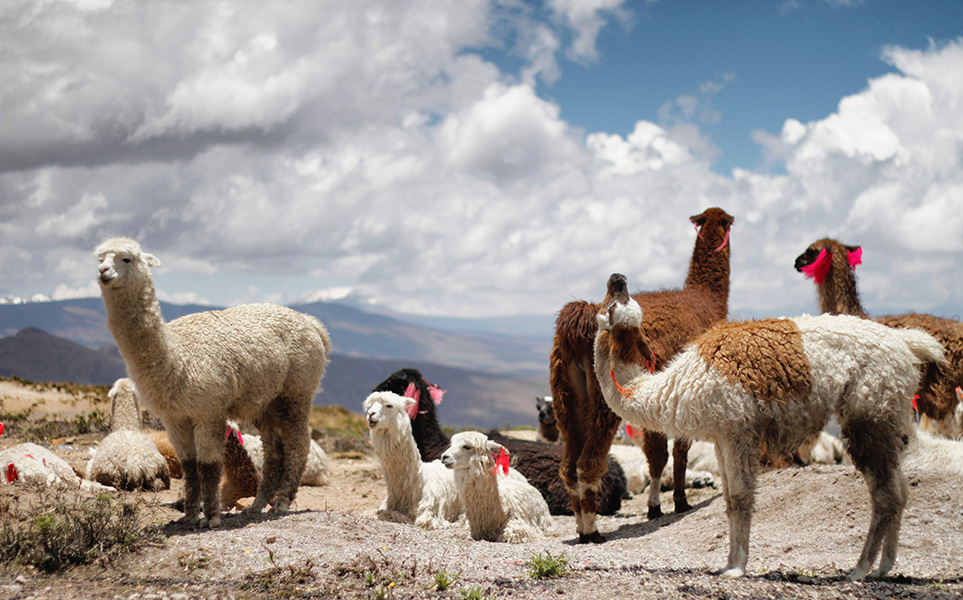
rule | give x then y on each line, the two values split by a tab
294	448
182	439
655	446
680	462
740	465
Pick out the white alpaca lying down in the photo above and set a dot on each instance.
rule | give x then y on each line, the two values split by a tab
419	492
500	504
33	463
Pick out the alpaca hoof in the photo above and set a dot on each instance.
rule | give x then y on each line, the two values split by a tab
733	572
682	506
212	523
279	509
591	538
655	512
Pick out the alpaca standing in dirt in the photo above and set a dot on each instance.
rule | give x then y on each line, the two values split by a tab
537	461
672	319
257	363
774	384
500	504
419	492
832	266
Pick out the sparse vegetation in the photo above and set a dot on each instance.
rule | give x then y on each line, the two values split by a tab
51	528
442	580
547	566
473	593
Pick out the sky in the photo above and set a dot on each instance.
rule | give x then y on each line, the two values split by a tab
481	158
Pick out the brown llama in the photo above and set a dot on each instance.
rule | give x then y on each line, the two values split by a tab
832	267
672	319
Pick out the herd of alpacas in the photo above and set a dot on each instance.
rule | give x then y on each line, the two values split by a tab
734	397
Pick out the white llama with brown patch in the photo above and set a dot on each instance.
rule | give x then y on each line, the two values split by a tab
773	384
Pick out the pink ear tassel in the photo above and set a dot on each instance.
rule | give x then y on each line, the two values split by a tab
414	393
855	258
436	394
698	231
819	268
725	241
502	461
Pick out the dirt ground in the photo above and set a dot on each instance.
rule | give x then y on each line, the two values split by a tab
807	533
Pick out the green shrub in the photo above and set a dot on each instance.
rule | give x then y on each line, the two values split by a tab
548	566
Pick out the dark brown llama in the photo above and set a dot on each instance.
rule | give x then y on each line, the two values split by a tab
672	319
832	266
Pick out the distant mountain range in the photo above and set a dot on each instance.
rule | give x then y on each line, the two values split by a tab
491	378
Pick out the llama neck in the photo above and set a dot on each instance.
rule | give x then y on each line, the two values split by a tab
709	267
644	400
837	293
139	330
402	467
482	503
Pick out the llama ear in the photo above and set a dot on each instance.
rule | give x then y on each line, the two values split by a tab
150	260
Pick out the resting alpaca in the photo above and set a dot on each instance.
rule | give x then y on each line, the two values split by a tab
500	504
673	318
774	384
832	266
547	424
127	458
258	363
420	492
538	462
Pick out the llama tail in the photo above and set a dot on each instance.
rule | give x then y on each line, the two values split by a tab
923	345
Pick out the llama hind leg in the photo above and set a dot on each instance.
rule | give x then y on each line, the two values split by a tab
209	440
294	448
270	472
888	495
592	465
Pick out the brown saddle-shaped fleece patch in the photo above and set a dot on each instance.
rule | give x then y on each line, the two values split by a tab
765	357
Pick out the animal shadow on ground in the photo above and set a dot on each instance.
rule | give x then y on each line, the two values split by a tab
231	520
637	530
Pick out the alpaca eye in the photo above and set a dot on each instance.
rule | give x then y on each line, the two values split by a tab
126	260
467	446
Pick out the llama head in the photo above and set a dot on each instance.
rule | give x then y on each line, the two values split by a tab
820	256
472	449
618	308
621	317
546	412
714	224
122	260
386	410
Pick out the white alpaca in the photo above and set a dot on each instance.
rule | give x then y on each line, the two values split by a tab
258	363
931	453
32	463
500	507
636	468
775	383
419	492
127	458
315	469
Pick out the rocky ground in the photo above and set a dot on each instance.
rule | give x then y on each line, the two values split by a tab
807	533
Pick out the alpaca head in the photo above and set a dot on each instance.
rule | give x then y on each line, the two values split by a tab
820	256
471	449
385	410
714	223
121	262
123	397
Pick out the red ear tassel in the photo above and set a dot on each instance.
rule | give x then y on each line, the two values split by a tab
11	473
1	428
414	393
502	461
820	267
855	258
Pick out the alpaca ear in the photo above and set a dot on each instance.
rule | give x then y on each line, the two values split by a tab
150	260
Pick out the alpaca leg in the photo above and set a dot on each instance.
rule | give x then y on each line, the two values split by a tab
891	532
740	465
680	462
181	436
294	456
209	440
270	475
655	446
